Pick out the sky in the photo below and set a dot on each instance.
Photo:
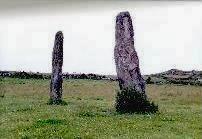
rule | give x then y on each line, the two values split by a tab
168	35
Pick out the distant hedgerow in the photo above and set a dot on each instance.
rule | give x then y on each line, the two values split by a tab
130	101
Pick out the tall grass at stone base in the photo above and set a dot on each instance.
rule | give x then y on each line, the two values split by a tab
129	100
56	102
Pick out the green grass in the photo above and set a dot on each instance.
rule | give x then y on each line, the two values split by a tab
90	112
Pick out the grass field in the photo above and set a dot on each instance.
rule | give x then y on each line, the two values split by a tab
90	112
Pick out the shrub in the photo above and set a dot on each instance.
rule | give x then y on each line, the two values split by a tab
148	80
130	101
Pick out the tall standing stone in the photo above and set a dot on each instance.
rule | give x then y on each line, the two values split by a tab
126	58
57	62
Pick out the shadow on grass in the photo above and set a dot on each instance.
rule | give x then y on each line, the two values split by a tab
24	109
45	122
59	102
92	114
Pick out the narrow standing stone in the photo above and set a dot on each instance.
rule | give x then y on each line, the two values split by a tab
126	59
57	62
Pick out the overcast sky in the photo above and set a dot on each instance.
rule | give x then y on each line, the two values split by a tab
167	35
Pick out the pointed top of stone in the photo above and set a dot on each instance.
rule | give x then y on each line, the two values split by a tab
121	15
59	34
124	13
124	26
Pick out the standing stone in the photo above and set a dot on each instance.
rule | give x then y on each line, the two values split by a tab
57	62
126	59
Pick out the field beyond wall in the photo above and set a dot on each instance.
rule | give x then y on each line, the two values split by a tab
90	112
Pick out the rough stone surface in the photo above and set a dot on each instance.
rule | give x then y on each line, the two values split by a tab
57	62
126	58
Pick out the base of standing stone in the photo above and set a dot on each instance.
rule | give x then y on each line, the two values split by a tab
56	102
130	101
